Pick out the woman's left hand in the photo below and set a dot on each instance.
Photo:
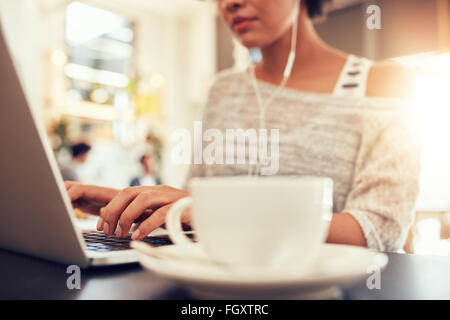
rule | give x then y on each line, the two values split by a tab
129	206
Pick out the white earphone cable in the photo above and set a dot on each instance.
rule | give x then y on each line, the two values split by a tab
286	74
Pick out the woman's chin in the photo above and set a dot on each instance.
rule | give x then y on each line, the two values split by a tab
252	40
249	42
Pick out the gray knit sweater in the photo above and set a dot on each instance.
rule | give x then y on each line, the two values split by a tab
368	146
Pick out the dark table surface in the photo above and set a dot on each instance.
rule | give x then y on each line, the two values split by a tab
23	277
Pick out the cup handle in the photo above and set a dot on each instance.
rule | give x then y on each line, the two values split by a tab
173	222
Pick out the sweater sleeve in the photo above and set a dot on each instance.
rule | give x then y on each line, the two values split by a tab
386	180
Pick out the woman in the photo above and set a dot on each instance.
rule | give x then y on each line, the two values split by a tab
327	128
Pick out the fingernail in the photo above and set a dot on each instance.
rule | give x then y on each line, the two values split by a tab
118	231
135	235
106	228
100	224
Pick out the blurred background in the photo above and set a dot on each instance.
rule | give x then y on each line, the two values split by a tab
110	80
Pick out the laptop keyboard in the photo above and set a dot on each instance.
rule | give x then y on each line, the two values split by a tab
98	241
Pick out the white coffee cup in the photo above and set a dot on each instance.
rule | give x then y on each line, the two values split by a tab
256	221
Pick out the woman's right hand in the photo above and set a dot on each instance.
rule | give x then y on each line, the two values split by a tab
89	198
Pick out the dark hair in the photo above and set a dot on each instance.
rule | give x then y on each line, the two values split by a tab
315	7
79	149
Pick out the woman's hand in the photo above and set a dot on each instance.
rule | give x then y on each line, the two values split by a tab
88	198
131	205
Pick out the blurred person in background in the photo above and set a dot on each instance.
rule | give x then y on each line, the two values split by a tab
79	152
339	116
148	178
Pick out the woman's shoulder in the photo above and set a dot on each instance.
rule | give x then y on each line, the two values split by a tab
390	79
390	86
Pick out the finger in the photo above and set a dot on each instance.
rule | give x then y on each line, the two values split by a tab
154	221
90	193
69	184
147	213
115	207
186	217
100	221
75	192
133	211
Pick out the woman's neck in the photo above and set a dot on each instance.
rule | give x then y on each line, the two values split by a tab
309	48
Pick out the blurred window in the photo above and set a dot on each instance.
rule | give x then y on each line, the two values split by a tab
100	48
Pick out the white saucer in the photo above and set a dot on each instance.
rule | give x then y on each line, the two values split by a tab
336	266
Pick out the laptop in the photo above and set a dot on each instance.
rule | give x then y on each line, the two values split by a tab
36	215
